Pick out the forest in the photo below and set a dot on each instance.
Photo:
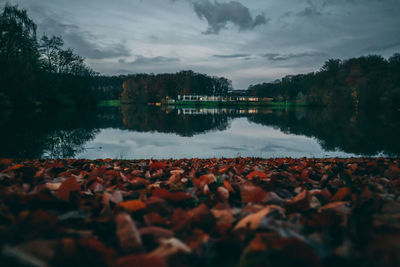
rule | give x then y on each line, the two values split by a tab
368	82
39	72
145	88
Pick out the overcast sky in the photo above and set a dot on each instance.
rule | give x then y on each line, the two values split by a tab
247	41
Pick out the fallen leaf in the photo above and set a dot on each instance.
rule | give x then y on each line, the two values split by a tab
300	202
252	221
341	194
251	193
256	174
67	187
132	205
173	197
170	247
127	233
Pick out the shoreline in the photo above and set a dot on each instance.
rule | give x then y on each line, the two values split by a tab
197	212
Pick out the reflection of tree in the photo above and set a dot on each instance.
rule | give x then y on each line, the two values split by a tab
64	133
362	133
55	133
149	119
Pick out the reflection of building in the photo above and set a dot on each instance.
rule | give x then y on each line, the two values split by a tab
229	98
199	111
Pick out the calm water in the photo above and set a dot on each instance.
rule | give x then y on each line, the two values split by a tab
130	132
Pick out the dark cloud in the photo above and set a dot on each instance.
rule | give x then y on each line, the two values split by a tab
309	11
312	9
88	48
381	47
282	57
233	56
219	14
142	60
84	43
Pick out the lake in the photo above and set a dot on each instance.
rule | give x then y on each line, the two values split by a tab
143	132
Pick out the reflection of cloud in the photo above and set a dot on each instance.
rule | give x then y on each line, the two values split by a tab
219	14
243	138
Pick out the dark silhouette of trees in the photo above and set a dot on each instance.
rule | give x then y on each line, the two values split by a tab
41	73
369	82
144	88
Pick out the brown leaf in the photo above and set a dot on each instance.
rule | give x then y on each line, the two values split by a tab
223	193
138	182
301	202
127	233
251	193
341	194
140	260
157	232
170	247
174	197
67	187
252	221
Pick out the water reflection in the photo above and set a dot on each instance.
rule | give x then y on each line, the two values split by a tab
55	133
137	131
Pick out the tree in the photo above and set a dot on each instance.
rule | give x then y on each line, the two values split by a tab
50	48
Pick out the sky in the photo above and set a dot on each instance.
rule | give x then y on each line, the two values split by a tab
246	41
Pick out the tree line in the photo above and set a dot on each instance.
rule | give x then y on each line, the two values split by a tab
145	88
366	82
39	72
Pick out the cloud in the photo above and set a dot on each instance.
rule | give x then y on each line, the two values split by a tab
381	47
85	43
282	57
219	14
232	56
142	60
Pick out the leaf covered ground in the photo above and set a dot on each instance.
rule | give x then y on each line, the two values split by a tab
200	212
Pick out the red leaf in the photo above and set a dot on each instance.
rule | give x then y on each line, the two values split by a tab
174	197
67	187
138	182
157	165
256	174
205	179
251	193
132	205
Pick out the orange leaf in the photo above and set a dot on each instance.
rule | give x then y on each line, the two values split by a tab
171	196
301	202
228	186
256	174
132	205
341	194
224	169
252	221
205	179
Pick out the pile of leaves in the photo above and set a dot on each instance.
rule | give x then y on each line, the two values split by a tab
200	212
